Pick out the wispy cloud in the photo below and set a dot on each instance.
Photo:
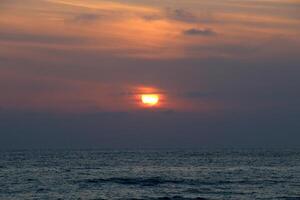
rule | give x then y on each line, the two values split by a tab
181	15
196	94
86	17
22	36
202	32
105	5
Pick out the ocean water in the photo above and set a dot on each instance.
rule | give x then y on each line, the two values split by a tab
176	174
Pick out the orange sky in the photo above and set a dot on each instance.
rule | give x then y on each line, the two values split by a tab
60	45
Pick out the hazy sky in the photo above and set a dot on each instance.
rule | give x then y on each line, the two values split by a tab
227	73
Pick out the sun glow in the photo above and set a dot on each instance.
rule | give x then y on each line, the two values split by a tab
150	99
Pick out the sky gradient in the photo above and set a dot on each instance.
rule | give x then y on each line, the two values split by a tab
72	72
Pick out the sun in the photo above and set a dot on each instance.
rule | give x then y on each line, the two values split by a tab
150	99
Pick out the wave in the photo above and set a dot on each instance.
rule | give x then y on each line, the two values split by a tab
162	198
132	181
154	181
174	198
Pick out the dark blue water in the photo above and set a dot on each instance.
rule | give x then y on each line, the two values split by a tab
203	174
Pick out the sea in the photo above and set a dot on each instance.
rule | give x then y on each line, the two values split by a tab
92	174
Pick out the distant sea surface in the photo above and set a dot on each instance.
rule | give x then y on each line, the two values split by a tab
152	175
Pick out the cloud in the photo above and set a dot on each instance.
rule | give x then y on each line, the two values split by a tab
86	17
196	94
22	36
152	17
181	15
139	93
202	32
